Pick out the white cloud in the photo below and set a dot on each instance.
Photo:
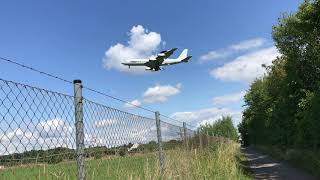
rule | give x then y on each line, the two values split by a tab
93	140
54	128
123	129
212	55
208	115
17	140
15	135
45	135
226	52
248	44
104	123
247	67
230	98
141	44
132	104
160	93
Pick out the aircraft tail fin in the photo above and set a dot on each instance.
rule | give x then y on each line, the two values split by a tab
183	55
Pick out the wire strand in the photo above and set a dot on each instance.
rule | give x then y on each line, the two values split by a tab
68	81
35	70
118	99
85	87
170	118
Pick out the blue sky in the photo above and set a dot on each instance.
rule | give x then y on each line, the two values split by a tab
85	40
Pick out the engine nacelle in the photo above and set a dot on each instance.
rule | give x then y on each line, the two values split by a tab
149	69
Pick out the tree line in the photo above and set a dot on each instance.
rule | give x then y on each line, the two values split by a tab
60	154
222	127
282	109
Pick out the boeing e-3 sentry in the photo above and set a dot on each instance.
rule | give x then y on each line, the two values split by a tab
153	64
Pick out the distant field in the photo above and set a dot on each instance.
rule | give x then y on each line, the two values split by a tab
219	161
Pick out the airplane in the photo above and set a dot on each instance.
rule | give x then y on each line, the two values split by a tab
153	64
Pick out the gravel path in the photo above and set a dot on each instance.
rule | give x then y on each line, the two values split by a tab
264	167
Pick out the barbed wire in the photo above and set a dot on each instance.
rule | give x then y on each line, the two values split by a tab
165	116
85	87
172	119
35	70
118	99
68	81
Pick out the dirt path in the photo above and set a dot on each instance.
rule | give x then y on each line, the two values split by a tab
264	167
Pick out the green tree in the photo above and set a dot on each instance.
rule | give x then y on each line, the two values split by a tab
282	108
222	127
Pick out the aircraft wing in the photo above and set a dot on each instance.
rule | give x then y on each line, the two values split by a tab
167	53
155	63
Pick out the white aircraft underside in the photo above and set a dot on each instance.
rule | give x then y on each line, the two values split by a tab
153	64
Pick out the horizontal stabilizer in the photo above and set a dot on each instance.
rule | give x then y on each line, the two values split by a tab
186	59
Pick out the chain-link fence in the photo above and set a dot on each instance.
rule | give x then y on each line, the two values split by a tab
50	135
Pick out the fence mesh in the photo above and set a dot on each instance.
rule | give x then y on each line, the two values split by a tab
38	137
36	129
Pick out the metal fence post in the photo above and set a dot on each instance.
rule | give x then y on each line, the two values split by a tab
79	129
185	134
159	137
208	138
200	139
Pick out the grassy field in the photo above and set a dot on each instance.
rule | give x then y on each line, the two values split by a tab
218	161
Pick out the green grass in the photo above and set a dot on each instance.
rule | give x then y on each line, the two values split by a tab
113	168
219	161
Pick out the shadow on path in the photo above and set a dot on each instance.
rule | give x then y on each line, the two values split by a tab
264	167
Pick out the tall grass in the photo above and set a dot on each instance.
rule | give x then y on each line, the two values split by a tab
218	161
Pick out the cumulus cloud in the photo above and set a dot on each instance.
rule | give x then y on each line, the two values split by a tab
208	115
44	135
230	98
132	104
248	44
212	55
17	140
247	67
15	135
104	123
57	132
91	140
123	129
54	128
141	44
226	52
160	93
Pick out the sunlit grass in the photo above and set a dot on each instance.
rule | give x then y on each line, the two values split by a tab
218	161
